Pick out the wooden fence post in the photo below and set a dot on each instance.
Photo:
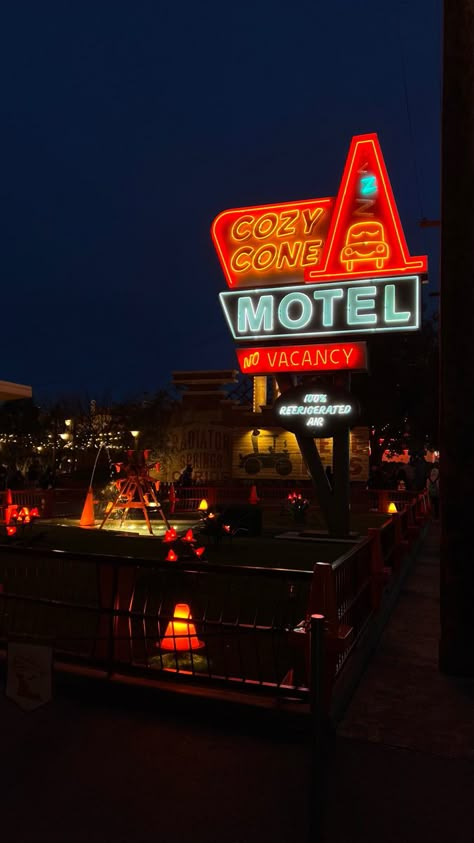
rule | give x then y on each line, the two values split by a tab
377	566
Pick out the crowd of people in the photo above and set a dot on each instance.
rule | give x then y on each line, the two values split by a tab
415	476
411	476
36	476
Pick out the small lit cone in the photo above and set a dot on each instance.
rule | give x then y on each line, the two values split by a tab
11	513
392	508
189	537
87	517
181	635
254	498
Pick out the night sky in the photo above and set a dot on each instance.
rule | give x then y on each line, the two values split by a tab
127	127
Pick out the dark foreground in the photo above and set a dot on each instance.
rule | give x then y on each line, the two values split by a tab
118	768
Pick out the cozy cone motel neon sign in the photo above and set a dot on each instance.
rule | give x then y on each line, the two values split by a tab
319	269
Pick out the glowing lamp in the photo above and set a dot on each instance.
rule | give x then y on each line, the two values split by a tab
170	535
135	434
180	633
172	556
34	512
11	531
199	551
392	508
23	512
226	527
203	506
189	537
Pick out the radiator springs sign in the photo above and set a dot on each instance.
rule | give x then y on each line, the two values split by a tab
315	412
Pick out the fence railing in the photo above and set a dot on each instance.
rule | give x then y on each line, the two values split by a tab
68	502
233	626
127	615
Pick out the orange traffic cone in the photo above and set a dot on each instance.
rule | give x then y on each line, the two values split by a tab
253	498
87	517
181	634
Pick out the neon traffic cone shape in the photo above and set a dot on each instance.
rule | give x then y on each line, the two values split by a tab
87	517
253	498
180	634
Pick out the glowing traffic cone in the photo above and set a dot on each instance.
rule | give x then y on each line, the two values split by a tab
254	498
180	634
87	517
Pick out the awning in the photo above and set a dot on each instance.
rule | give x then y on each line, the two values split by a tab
11	391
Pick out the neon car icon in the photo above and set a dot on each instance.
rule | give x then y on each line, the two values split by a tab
365	243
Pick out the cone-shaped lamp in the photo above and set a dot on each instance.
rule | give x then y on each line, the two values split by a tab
253	498
180	634
87	517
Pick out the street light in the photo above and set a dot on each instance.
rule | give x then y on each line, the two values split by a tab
135	434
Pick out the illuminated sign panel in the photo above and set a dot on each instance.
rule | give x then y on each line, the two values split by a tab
315	412
374	306
268	244
365	236
356	235
303	358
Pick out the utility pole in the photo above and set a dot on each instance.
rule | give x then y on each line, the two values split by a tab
456	650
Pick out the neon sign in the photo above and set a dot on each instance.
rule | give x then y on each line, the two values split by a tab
315	412
356	235
351	356
378	305
268	243
365	235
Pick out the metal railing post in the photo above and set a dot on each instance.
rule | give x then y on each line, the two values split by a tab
318	757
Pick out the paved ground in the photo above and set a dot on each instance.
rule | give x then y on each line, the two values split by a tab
402	766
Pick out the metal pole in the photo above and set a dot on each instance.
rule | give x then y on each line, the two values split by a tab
318	743
456	650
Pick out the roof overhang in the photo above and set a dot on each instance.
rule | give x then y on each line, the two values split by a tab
11	391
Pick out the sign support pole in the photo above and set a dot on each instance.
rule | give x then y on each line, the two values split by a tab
341	469
335	504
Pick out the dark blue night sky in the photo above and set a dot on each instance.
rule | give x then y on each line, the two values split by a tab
128	126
